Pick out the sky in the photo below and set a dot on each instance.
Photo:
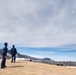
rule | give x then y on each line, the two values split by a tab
39	24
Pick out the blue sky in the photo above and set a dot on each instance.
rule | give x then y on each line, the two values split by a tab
39	24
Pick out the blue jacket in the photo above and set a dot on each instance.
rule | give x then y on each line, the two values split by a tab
4	50
13	51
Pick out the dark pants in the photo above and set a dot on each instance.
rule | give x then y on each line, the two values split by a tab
3	61
13	58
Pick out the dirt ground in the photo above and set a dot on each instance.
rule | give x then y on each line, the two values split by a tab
31	68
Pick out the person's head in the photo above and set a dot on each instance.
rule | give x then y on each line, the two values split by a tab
13	46
6	44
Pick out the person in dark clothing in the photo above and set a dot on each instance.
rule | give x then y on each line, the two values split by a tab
13	53
4	54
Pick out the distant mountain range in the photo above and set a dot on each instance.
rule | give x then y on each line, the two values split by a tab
44	60
26	57
18	55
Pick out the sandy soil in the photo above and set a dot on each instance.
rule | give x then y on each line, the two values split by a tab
31	68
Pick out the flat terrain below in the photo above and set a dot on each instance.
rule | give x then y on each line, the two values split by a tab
32	68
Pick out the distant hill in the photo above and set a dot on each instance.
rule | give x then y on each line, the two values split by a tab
47	60
24	57
18	56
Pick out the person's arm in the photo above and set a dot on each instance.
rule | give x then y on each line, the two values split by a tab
16	51
5	51
11	51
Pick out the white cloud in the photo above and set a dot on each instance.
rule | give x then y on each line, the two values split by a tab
38	22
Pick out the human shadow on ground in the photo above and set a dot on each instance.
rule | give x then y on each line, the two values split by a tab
16	66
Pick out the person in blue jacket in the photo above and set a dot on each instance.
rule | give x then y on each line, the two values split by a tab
4	54
13	53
